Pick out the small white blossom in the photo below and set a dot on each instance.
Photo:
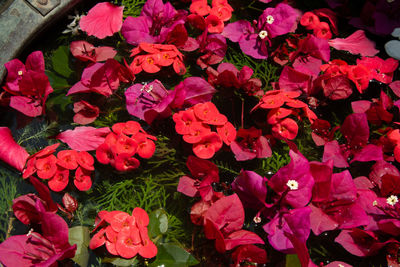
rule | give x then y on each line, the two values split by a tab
263	34
374	203
270	19
293	184
257	219
392	200
20	72
73	27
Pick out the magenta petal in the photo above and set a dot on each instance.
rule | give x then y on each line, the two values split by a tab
320	221
191	91
357	43
333	152
369	153
10	152
284	19
35	61
294	80
84	138
12	251
226	213
251	189
355	129
136	30
241	237
236	31
26	106
103	20
186	186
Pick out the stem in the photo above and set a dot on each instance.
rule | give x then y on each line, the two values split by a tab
10	225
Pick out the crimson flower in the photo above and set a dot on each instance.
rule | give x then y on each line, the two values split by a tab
85	113
10	152
250	144
87	52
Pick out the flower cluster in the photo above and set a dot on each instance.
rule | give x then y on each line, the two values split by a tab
321	29
56	169
195	125
219	13
27	86
123	234
282	126
120	146
151	57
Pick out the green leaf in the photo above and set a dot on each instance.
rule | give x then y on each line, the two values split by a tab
172	255
121	262
57	82
292	260
158	222
60	61
79	235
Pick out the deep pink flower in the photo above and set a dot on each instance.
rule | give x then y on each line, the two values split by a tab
251	189
357	43
205	173
102	20
101	78
208	145
191	91
33	248
249	253
380	70
85	112
294	182
87	52
250	144
148	101
154	24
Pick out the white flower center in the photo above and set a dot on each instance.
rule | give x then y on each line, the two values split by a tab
392	200
292	184
263	34
257	219
374	203
270	19
20	72
390	1
340	265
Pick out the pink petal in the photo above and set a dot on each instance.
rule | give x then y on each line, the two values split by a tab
357	43
84	138
10	152
103	20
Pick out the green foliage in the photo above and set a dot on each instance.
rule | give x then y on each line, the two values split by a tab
173	255
80	236
224	167
263	70
272	164
34	136
8	191
132	7
60	61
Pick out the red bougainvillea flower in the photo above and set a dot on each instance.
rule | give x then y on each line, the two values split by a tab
323	31
200	7
249	253
214	24
380	70
67	159
104	19
85	112
205	173
82	179
87	52
322	132
10	152
250	144
208	145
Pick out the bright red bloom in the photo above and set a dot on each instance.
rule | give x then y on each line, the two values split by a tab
323	31
104	154
46	166
184	120
380	70
227	132
146	147
207	146
125	145
197	131
67	159
206	111
309	20
285	129
214	24
125	162
200	7
360	75
85	160
10	152
82	179
128	128
60	180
